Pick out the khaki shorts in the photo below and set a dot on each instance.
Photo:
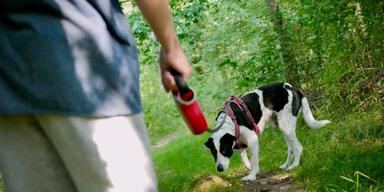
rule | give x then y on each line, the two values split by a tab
49	153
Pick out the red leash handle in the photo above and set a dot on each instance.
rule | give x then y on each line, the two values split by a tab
188	106
186	94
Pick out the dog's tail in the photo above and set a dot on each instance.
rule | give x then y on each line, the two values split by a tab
308	117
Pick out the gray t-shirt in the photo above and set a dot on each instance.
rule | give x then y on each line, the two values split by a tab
69	57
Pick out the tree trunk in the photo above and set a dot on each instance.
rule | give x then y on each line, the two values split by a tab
289	59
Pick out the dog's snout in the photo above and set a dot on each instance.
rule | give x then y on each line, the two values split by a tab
220	168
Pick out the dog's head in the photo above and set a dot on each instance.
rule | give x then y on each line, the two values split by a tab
221	150
222	142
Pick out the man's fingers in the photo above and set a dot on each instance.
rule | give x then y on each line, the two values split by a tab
176	61
168	81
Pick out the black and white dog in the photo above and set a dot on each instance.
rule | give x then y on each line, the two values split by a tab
279	103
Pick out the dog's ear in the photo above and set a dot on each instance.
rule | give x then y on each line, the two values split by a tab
209	144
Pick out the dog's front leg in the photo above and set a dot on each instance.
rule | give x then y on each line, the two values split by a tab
244	158
254	148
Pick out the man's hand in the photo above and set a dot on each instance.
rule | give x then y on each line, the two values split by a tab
177	61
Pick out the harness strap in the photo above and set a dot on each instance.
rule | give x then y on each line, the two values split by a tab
229	110
243	107
241	104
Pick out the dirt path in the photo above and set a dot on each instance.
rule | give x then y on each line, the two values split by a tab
274	182
164	141
265	182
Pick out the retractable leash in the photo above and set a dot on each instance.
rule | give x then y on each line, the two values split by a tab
188	106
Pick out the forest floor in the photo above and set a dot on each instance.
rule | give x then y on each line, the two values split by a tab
269	181
265	182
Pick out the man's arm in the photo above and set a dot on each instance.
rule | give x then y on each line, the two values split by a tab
157	13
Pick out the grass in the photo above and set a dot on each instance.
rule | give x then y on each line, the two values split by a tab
342	149
183	162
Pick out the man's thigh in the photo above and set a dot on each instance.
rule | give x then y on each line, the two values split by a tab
103	154
28	161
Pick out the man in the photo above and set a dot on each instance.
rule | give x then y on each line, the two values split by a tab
70	109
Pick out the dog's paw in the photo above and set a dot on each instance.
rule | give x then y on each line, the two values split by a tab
284	166
249	178
291	167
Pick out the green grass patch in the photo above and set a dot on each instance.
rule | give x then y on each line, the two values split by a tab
2	188
342	149
184	162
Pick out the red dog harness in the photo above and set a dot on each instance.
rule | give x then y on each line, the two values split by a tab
243	107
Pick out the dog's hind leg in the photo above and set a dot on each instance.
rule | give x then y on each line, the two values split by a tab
290	155
244	158
297	150
287	124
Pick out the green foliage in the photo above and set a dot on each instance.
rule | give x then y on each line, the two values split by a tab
338	48
146	41
240	44
335	54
